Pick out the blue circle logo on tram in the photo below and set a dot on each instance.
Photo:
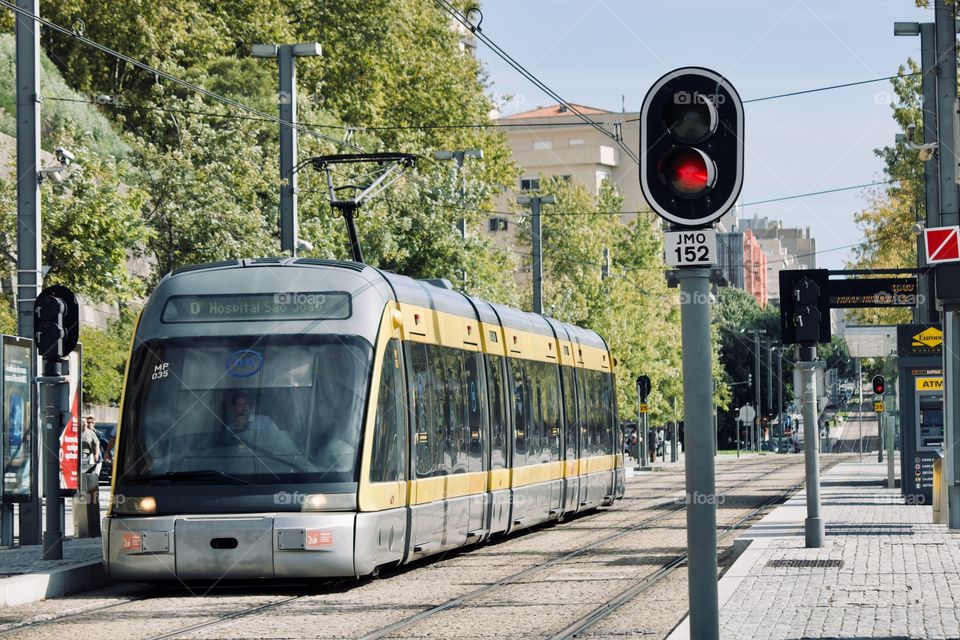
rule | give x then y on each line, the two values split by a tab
244	363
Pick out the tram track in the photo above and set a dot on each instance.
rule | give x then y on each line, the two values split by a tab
529	571
610	607
650	499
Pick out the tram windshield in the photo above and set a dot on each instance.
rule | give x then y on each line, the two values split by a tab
258	410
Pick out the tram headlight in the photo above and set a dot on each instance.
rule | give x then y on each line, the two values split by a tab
142	505
314	502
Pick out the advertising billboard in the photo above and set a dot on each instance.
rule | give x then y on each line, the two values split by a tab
70	436
19	443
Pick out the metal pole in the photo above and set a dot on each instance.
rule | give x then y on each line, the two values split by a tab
811	436
55	402
288	149
951	374
28	234
537	256
946	40
699	467
880	435
537	251
891	473
646	442
931	171
860	410
949	215
780	397
768	343
738	435
754	430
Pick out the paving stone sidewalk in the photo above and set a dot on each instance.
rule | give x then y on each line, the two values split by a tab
885	571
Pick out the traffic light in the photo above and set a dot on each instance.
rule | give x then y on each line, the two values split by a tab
879	385
56	322
804	306
691	146
643	387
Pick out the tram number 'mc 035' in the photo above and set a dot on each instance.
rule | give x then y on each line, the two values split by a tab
690	248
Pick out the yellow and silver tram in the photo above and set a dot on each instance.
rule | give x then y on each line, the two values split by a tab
307	418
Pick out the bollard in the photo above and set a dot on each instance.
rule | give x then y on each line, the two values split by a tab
86	507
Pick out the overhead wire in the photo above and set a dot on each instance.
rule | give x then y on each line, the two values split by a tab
445	5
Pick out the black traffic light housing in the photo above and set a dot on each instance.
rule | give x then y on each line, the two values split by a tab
879	385
56	322
643	387
804	306
691	146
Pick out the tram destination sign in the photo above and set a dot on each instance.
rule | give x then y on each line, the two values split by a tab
873	292
246	307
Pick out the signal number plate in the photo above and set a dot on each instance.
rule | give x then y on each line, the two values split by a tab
690	248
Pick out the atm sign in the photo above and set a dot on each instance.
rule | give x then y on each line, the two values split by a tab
929	384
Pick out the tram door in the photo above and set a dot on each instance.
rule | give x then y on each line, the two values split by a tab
475	411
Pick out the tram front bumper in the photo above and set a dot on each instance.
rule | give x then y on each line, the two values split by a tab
228	547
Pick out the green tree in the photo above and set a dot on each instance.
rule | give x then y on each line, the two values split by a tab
104	358
91	224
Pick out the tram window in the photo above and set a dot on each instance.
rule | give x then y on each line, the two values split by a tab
552	409
458	436
389	433
498	413
476	406
606	415
583	412
570	413
421	400
521	414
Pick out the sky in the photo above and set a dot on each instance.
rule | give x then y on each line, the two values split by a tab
601	52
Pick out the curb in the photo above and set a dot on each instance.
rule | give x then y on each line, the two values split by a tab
34	587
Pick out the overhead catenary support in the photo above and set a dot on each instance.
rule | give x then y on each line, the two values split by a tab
28	235
286	55
537	249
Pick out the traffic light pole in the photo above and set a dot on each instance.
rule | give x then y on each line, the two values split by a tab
813	526
754	439
55	403
699	466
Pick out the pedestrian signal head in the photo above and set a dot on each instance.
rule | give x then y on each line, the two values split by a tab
879	385
691	146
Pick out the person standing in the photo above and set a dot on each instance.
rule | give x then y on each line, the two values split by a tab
90	447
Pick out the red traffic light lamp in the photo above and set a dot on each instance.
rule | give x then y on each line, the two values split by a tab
879	385
691	146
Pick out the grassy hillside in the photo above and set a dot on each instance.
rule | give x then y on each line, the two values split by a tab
57	116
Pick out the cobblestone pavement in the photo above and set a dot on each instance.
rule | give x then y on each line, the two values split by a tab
538	605
884	572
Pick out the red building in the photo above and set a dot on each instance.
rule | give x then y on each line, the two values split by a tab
754	268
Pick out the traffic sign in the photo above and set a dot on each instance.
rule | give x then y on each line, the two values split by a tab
878	407
747	414
690	248
644	407
942	244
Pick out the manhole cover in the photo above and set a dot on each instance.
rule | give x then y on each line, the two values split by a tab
803	564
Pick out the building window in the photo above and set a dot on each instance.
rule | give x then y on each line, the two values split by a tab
566	178
529	184
602	176
542	145
498	224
